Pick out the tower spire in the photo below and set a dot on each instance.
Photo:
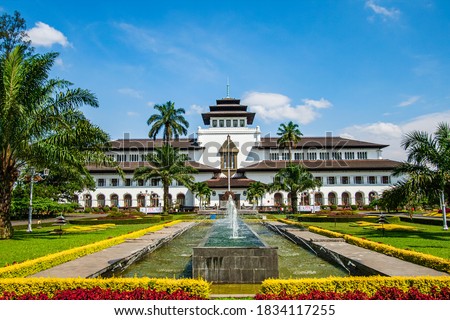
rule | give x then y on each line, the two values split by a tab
228	87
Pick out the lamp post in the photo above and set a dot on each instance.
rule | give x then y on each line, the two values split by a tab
30	208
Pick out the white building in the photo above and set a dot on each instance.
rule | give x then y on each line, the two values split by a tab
352	172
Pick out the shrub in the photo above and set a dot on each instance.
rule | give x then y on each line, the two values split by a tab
71	288
87	210
367	285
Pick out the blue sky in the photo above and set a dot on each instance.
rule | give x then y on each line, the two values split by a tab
367	69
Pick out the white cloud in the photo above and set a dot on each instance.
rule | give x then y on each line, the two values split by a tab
392	134
382	11
132	114
275	106
46	36
195	109
130	92
409	101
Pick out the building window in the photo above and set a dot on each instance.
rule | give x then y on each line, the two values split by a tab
285	156
140	182
372	180
242	123
311	156
214	123
114	200
349	155
154	182
121	157
143	157
134	157
274	156
114	182
101	182
298	156
228	123
101	200
127	182
385	180
337	156
324	156
358	180
127	200
331	180
362	155
235	123
318	180
221	123
345	180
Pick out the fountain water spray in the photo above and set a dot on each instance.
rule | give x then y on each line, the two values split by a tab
232	216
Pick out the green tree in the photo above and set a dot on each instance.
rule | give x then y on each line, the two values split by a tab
202	191
294	179
41	125
256	191
169	165
290	135
13	33
428	163
170	120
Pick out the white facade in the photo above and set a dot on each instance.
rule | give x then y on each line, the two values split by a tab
352	172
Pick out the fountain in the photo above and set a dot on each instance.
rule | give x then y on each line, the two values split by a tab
233	253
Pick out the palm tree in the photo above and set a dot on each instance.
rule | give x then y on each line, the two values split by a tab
202	191
41	124
169	165
294	179
170	120
428	162
290	134
256	191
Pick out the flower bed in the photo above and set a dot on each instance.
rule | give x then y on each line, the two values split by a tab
375	287
105	289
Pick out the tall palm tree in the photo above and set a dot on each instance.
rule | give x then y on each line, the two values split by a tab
290	134
202	191
41	124
170	120
169	165
428	162
256	191
294	179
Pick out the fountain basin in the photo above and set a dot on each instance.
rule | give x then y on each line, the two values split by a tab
222	258
235	264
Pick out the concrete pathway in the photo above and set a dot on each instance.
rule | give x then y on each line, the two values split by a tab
118	256
356	257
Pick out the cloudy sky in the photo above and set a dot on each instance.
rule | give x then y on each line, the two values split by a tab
366	69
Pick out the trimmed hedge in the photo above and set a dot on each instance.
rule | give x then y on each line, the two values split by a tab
30	267
49	286
367	285
145	220
423	259
350	218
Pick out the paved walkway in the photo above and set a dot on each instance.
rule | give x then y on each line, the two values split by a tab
380	263
118	256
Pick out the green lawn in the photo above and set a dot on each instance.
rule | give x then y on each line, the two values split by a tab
426	239
25	246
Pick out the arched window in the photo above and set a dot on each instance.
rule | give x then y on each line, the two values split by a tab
372	196
278	199
228	155
332	198
88	201
181	199
141	200
359	198
100	200
346	201
127	200
114	200
75	199
318	199
304	201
